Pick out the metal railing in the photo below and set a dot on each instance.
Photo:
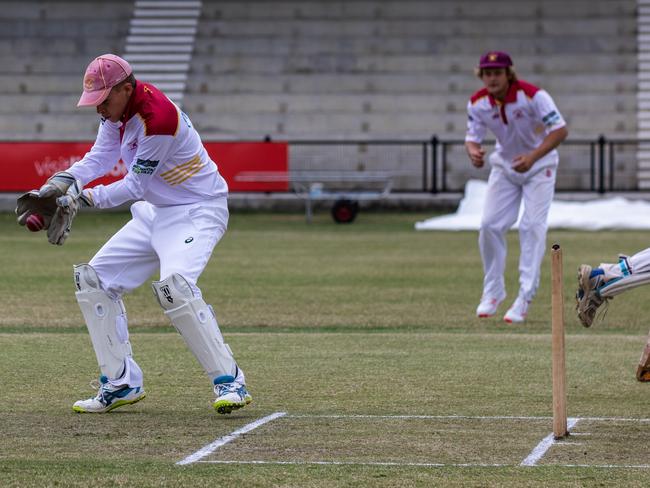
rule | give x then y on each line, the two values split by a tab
441	165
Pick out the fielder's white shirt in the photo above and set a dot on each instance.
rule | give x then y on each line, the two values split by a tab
165	158
519	124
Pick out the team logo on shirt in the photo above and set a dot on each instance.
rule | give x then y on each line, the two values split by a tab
144	166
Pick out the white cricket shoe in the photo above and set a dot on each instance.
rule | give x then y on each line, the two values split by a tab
231	395
517	313
488	307
109	397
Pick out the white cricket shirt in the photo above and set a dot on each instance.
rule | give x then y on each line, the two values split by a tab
165	158
519	124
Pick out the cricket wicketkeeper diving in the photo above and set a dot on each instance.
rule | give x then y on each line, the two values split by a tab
180	214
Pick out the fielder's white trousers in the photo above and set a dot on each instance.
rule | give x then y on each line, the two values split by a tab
505	191
174	239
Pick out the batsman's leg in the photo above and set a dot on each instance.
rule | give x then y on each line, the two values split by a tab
121	380
196	322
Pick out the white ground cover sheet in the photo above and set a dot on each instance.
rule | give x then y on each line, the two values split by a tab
600	214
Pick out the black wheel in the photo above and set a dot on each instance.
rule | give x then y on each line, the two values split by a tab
345	211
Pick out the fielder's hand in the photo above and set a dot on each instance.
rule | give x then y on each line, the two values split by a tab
476	154
523	163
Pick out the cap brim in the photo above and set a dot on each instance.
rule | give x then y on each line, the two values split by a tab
494	65
93	98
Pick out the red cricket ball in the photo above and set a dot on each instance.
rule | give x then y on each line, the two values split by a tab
35	222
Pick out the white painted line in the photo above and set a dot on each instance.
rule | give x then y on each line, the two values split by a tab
370	463
605	466
466	417
210	448
545	444
425	417
429	465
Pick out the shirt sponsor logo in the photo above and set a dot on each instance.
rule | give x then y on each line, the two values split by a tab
144	166
551	118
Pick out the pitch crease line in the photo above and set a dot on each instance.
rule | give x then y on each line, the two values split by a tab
545	444
428	465
213	446
423	417
465	417
369	463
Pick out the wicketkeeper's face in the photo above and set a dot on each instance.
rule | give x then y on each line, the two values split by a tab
115	104
496	81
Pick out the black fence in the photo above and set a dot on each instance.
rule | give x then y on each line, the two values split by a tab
439	166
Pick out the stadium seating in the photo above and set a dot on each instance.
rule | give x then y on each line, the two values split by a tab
315	69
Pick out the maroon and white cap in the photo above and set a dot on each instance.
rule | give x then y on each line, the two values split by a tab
495	59
102	74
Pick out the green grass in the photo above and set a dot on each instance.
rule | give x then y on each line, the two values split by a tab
369	319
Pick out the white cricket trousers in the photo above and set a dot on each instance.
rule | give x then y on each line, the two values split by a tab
174	239
505	191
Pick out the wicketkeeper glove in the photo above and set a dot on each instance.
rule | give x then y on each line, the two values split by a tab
67	207
57	202
57	185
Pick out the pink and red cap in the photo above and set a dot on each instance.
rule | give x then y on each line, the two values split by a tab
102	74
495	59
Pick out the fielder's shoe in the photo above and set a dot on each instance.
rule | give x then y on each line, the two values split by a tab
518	312
587	297
230	394
109	397
487	307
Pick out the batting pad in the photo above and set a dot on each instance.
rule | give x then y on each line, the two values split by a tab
107	325
619	285
196	322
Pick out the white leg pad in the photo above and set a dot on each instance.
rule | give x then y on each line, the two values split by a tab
619	285
196	322
107	325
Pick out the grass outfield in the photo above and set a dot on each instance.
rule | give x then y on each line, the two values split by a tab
362	338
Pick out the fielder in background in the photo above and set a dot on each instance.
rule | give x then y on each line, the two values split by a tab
597	285
528	127
180	214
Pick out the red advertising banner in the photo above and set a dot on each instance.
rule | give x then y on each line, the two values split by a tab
26	165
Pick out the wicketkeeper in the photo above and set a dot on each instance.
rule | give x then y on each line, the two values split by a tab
180	214
597	285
